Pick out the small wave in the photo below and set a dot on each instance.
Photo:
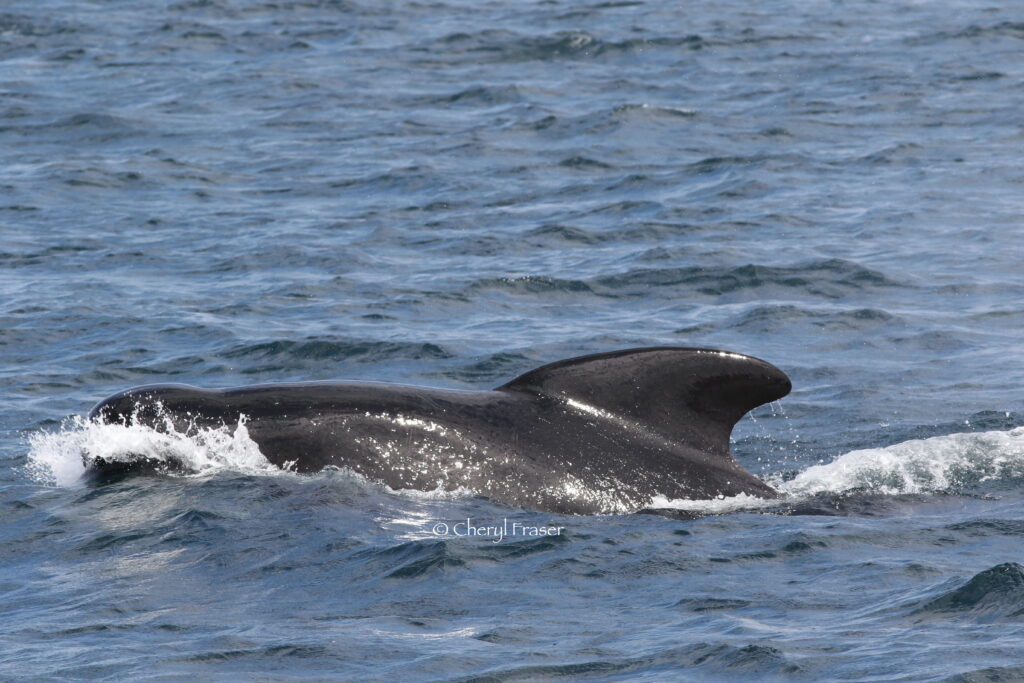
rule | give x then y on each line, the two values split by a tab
94	127
941	464
495	368
58	458
28	27
604	121
479	95
831	279
974	33
773	318
532	284
579	162
554	233
509	46
713	506
993	593
326	349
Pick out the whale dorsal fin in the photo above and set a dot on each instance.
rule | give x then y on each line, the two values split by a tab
687	395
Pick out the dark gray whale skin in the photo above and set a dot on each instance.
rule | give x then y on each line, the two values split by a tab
602	433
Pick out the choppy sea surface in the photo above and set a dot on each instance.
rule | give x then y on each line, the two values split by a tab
228	192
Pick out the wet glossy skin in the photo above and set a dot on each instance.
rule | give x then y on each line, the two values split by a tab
600	433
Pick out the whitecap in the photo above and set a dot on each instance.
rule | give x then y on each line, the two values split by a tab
59	458
936	465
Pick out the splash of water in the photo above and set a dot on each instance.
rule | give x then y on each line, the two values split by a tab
59	458
938	464
941	463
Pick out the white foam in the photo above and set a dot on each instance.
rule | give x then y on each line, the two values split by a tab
438	493
939	464
713	506
58	458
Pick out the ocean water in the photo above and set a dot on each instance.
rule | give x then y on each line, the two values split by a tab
228	192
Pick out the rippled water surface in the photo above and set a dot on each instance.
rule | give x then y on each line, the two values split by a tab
227	192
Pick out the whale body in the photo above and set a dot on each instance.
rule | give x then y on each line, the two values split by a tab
602	433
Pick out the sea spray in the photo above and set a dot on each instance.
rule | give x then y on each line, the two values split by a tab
938	464
60	458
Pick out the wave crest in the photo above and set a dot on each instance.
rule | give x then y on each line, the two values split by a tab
937	464
941	464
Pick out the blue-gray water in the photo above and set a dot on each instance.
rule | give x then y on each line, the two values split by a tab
226	192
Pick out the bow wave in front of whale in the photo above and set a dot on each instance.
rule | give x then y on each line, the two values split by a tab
603	433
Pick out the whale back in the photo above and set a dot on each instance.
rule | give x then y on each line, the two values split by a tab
686	395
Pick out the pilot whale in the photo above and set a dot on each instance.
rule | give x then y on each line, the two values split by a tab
601	433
